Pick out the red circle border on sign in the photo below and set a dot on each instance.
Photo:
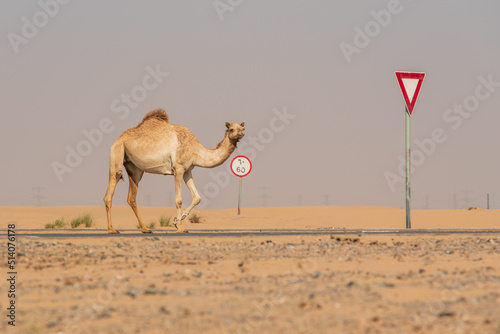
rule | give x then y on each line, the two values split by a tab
241	156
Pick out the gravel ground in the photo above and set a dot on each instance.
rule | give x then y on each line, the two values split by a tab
328	284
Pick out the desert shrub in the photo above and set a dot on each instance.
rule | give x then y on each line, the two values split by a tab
195	219
151	226
164	221
86	220
59	223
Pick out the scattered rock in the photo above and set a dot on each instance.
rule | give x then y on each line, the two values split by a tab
351	284
51	324
164	310
104	314
446	314
132	293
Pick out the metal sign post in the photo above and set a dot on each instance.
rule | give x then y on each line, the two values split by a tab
408	168
241	166
239	196
410	84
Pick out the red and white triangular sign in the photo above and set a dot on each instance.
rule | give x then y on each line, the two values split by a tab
410	83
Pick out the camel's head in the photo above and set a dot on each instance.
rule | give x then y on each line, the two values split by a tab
235	131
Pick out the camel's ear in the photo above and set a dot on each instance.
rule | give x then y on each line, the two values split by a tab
243	124
228	125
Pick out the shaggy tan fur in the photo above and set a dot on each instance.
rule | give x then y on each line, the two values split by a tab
158	114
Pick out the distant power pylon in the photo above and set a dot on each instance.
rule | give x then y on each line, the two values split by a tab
465	198
264	195
38	195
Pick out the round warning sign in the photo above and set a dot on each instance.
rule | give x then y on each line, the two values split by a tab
241	166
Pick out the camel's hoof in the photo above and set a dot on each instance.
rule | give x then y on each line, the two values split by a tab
114	232
182	231
148	231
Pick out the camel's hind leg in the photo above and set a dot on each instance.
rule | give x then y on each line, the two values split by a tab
116	155
134	177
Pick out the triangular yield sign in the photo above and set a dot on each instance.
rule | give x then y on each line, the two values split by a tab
410	83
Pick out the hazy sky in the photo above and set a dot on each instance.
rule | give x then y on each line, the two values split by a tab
312	80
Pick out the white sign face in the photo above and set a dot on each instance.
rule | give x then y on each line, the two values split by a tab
410	87
241	166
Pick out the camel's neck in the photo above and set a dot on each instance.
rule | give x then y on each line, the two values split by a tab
212	158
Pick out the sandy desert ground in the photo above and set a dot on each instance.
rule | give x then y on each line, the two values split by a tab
280	217
333	283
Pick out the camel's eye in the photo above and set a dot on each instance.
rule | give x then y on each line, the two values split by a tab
232	130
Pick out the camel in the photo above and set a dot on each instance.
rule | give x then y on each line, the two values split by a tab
158	147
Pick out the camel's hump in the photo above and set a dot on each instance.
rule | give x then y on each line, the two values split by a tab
159	114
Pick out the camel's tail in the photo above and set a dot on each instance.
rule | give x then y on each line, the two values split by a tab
116	158
116	155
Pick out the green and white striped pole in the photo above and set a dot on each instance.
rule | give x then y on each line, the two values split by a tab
241	166
239	196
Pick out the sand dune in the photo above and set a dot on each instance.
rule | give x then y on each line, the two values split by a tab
280	217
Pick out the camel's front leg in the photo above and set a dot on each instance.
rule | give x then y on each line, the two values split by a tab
178	176
188	179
